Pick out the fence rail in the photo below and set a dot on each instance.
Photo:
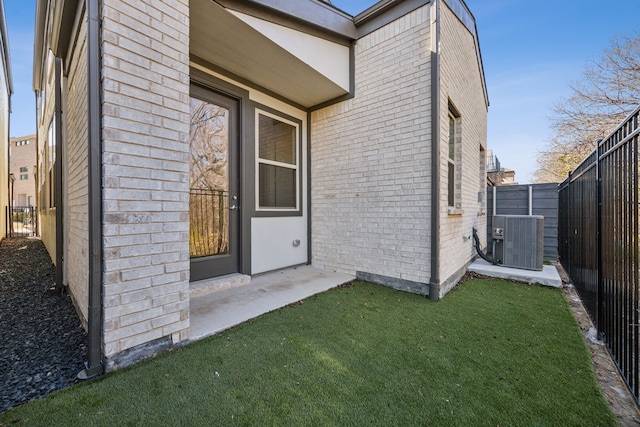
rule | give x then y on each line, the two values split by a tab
599	242
22	221
209	222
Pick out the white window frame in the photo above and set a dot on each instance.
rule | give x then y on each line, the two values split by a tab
456	161
259	161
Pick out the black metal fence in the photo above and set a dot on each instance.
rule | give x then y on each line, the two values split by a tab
22	221
209	222
598	242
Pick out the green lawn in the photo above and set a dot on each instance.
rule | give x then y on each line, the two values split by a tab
490	353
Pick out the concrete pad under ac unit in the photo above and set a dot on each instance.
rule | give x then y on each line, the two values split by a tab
548	276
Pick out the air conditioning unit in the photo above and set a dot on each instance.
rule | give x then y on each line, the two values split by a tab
518	240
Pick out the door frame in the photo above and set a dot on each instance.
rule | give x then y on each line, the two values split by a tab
207	84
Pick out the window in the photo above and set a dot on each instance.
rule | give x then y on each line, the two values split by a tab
24	176
50	163
454	175
483	175
278	173
24	169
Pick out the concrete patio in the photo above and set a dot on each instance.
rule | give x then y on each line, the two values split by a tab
548	276
215	311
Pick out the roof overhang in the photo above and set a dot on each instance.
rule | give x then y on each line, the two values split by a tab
386	11
5	48
255	46
53	27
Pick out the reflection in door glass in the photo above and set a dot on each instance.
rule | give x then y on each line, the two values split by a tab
209	180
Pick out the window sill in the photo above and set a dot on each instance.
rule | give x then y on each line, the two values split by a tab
454	211
271	213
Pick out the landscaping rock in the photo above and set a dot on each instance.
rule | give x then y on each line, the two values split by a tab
43	345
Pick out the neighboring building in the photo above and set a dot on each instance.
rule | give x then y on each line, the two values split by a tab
186	140
6	89
22	163
509	177
496	174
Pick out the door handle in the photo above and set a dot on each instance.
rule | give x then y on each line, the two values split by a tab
234	207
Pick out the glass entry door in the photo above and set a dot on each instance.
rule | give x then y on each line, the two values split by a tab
213	197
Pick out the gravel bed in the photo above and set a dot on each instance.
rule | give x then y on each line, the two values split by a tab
42	343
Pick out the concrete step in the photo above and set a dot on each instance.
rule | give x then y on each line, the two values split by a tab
207	286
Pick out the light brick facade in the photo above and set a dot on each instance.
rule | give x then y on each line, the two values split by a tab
371	157
462	85
76	183
46	107
22	162
144	140
145	172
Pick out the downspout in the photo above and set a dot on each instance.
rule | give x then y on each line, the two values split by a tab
434	283
9	78
38	206
11	184
8	210
94	365
309	219
38	54
58	174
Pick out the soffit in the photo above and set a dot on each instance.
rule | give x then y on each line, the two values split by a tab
221	38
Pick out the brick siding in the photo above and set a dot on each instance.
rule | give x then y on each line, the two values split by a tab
146	171
23	155
371	156
371	159
76	179
461	83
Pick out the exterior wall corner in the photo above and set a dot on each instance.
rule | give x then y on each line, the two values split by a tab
145	166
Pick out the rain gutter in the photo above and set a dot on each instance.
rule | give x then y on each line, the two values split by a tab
5	50
58	174
434	283
94	364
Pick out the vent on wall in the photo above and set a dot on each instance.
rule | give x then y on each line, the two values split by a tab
518	240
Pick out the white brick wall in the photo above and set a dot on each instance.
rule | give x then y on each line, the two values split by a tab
461	83
370	159
371	165
46	216
146	170
76	199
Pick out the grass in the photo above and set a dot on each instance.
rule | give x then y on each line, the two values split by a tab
490	353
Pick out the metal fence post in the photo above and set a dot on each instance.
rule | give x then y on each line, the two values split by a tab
600	306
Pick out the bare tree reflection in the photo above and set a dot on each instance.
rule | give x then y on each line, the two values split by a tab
209	179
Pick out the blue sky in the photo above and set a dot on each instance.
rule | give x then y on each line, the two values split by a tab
531	52
20	16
